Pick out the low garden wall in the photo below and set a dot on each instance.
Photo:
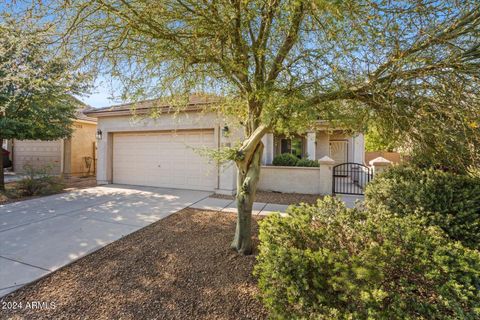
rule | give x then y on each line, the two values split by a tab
290	179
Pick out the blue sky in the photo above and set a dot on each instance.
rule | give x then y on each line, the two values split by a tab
100	95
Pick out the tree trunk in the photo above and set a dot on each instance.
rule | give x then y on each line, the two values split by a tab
2	176
247	179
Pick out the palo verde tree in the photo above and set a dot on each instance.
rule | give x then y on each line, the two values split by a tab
35	86
286	63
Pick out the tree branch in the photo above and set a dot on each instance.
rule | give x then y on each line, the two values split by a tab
288	43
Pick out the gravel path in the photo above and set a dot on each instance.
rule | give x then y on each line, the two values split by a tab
178	268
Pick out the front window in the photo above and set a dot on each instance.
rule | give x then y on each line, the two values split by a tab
293	145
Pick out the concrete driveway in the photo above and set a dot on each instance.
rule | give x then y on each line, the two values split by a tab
41	235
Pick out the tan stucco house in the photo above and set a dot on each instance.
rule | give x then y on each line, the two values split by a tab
70	157
163	151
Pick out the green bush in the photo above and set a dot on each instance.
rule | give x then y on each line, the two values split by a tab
448	200
307	163
285	159
39	181
330	262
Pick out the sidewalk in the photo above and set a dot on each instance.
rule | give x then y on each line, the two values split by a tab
259	208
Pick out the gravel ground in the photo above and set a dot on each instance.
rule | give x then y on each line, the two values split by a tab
279	198
178	268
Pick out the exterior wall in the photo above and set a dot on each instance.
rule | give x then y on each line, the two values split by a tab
227	173
322	145
280	179
38	154
268	150
359	149
289	179
79	146
226	178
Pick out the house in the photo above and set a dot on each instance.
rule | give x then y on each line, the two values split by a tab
135	148
70	157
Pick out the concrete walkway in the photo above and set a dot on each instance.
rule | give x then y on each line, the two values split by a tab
41	235
225	205
261	208
350	200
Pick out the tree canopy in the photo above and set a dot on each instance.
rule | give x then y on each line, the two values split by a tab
36	86
287	63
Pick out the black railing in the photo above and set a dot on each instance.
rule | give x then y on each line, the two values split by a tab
350	178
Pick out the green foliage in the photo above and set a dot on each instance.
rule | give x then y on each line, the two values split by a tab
377	140
445	199
221	155
39	181
35	85
447	141
307	163
285	159
288	62
330	262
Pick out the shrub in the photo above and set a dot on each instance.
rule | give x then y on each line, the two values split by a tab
307	163
448	200
39	181
330	262
285	159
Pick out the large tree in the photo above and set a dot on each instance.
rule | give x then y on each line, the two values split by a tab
35	85
286	62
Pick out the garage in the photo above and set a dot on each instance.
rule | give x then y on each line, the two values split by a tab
37	153
164	159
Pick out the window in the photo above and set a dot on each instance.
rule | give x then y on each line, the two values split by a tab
292	145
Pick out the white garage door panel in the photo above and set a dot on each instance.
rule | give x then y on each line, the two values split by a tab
164	159
39	154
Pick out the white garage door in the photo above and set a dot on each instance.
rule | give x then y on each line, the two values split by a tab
37	154
164	159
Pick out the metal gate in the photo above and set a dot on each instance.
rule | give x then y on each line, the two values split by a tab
350	178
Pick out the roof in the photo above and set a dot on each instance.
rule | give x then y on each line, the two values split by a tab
81	115
81	110
195	103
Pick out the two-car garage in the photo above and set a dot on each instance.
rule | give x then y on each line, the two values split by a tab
167	158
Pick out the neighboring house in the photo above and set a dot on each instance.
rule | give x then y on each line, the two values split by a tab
163	151
71	157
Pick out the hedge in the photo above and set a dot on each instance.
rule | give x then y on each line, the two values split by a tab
450	201
330	262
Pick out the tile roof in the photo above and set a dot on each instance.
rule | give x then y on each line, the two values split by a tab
195	103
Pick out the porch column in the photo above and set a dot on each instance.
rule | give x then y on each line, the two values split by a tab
326	175
267	156
311	150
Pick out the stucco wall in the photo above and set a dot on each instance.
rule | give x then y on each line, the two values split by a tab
79	146
182	121
39	154
322	146
289	179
